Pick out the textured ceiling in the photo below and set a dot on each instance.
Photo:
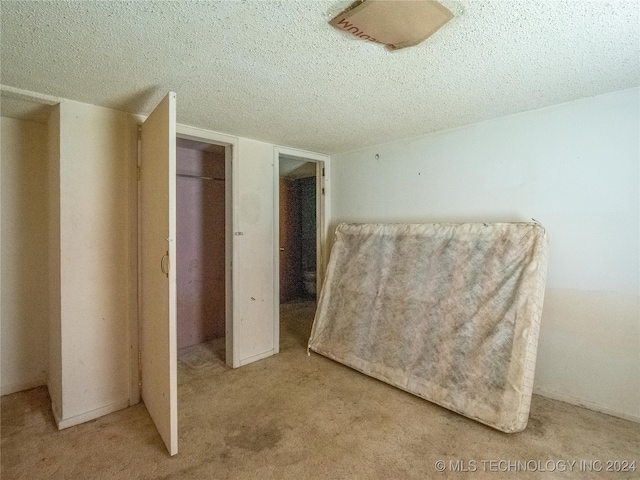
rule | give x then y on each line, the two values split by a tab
276	71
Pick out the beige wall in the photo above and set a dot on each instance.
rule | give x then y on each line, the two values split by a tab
589	350
25	289
94	262
573	167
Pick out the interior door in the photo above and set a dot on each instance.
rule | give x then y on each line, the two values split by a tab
158	299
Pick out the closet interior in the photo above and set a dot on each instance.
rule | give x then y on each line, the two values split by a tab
27	210
200	245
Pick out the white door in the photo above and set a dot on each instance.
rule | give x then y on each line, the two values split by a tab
158	310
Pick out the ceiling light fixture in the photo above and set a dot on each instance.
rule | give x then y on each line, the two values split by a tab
394	23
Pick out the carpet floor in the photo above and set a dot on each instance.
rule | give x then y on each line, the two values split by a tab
293	416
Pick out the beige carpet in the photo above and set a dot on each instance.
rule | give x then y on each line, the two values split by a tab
298	417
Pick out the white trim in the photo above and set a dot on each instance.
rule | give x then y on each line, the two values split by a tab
303	154
134	266
586	404
322	216
35	97
206	136
231	334
232	249
255	358
92	415
276	250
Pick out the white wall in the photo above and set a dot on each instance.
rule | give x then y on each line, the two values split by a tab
253	251
94	276
25	288
573	167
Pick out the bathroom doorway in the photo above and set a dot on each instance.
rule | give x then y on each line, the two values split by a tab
301	211
298	230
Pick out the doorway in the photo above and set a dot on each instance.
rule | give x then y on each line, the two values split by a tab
301	213
200	255
298	230
156	336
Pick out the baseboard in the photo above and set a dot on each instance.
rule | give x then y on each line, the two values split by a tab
590	405
92	415
56	417
19	387
255	358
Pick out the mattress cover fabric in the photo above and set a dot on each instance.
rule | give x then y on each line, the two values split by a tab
448	312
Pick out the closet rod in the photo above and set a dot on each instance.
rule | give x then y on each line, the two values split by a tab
198	176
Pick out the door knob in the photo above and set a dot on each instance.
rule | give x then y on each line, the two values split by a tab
282	249
164	264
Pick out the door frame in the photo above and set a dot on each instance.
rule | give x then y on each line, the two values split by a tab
231	188
323	207
230	145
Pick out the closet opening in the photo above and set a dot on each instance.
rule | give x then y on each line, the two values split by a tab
201	276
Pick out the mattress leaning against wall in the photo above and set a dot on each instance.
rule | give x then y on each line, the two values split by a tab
448	312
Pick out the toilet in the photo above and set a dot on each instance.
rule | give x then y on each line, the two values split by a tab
309	280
